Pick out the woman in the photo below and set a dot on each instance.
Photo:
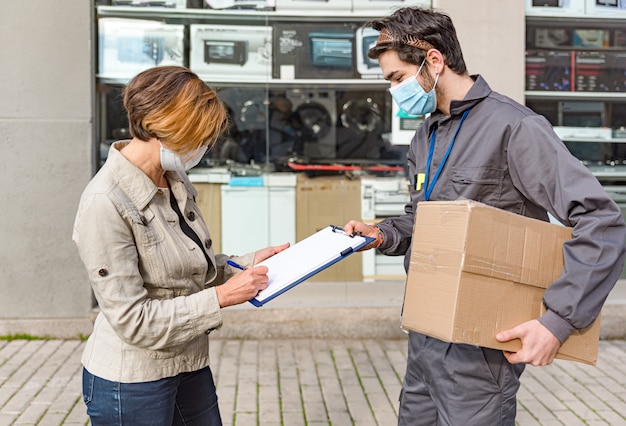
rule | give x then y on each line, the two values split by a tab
147	251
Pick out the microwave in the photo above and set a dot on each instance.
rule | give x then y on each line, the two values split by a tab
582	113
331	48
555	7
239	4
226	51
366	38
369	36
607	8
141	50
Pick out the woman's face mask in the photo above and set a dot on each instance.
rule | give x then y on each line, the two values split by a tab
174	162
411	98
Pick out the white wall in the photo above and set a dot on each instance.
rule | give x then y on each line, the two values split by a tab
46	143
492	34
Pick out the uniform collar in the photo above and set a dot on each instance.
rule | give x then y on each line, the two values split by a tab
479	91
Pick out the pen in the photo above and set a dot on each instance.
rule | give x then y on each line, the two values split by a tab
235	265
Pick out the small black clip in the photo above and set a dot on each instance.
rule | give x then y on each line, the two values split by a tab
337	227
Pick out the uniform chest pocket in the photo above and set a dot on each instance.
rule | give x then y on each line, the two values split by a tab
145	227
482	184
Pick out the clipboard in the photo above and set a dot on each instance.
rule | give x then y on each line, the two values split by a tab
306	258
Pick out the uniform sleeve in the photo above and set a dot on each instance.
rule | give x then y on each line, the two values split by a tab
107	248
546	173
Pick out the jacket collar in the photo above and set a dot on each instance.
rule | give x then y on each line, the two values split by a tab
479	91
136	184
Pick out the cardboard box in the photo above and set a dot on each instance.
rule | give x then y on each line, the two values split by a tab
210	204
476	270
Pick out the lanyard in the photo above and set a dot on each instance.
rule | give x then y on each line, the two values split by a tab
428	189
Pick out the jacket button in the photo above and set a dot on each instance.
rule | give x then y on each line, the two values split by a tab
191	216
143	219
103	272
208	243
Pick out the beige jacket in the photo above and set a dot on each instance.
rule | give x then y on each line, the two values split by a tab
154	288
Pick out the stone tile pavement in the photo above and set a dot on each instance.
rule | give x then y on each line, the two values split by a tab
309	382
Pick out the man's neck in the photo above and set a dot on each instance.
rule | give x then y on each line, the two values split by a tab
452	87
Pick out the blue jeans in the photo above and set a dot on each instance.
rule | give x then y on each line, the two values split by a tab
186	399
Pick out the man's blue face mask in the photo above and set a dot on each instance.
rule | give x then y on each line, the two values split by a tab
411	98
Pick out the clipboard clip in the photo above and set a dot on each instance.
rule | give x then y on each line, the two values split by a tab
337	228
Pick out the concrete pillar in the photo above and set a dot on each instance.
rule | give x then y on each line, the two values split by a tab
46	157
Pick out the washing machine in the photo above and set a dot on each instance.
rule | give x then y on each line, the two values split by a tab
363	124
246	139
314	112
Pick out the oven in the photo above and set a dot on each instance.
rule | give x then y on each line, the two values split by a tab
383	197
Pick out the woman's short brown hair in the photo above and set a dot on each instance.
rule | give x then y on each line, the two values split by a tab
173	105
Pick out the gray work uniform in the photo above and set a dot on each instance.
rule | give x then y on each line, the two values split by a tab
509	157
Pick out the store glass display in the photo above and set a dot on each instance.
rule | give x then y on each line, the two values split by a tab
299	89
576	78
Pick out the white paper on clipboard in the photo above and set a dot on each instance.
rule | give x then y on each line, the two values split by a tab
307	258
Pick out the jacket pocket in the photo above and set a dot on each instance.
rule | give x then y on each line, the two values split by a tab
483	184
144	228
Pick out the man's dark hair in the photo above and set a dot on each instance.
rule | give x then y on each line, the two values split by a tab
415	24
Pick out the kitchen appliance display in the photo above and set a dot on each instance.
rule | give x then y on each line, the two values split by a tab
314	112
555	7
331	49
129	46
384	7
365	40
227	52
607	8
364	126
313	5
240	4
311	51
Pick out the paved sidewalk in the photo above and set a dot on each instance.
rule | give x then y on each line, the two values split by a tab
309	382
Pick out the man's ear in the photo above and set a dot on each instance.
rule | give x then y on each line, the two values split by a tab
435	60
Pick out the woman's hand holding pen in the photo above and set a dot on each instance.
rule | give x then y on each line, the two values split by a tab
249	282
355	227
242	286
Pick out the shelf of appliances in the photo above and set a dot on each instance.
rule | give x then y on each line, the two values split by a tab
275	82
579	9
595	140
550	95
321	15
239	47
608	173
